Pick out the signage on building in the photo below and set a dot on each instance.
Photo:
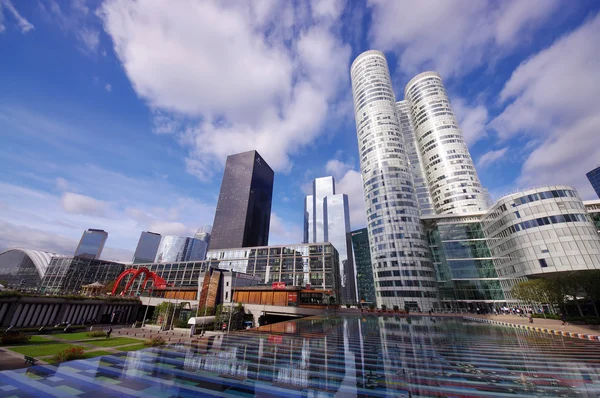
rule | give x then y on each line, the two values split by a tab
278	285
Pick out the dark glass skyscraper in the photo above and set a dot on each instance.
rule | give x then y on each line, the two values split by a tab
364	269
594	177
91	243
244	208
146	249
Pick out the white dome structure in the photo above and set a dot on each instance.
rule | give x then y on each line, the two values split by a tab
24	267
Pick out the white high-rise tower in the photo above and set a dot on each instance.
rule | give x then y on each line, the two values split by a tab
449	170
402	269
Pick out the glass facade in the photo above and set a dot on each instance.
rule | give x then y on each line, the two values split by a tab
322	187
309	214
594	179
180	248
68	274
243	210
91	243
23	268
465	269
403	271
147	247
364	269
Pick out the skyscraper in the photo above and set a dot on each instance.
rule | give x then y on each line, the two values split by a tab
146	249
402	270
243	211
594	178
364	270
180	248
327	219
91	243
453	182
204	234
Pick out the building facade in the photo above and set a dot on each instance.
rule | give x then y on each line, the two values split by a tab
147	247
180	248
593	209
91	243
204	234
451	176
594	179
24	268
539	232
243	210
364	269
328	214
68	274
402	268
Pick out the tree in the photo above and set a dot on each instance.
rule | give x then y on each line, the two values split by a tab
589	281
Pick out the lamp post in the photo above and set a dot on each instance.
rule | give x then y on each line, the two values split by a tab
147	306
231	305
205	301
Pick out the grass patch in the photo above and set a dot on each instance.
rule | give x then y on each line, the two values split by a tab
72	336
40	339
134	347
114	342
40	350
86	355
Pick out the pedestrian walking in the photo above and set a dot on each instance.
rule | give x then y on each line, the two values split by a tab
109	332
563	318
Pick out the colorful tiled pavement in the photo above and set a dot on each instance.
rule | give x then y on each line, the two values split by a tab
344	355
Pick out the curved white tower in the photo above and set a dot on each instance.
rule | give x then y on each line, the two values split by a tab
451	176
402	270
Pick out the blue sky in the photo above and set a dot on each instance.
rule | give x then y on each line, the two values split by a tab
119	114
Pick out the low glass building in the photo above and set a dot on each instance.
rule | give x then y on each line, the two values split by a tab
68	274
24	268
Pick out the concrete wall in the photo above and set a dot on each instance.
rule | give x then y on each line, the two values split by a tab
43	311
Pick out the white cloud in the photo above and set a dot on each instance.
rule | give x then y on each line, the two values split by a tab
552	97
283	232
169	228
233	71
453	37
337	168
471	119
23	24
351	185
84	205
491	157
61	184
74	18
108	87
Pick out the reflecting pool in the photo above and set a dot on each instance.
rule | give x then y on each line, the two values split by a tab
343	356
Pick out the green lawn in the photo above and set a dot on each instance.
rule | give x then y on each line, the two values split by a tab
74	336
113	342
86	355
40	350
39	339
134	347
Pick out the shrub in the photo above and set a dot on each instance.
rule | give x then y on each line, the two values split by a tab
69	354
97	333
396	308
383	307
15	338
155	342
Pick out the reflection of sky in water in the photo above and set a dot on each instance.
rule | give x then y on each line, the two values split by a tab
348	355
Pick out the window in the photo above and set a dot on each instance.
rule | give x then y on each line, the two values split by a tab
543	263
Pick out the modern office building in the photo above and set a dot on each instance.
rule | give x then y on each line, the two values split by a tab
402	268
180	248
453	181
69	274
593	209
91	243
594	178
243	210
414	158
204	234
309	215
328	214
147	247
24	268
364	270
541	231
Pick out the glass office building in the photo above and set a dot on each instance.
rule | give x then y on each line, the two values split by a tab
180	248
327	219
593	209
24	268
594	179
68	274
243	210
364	269
147	247
91	243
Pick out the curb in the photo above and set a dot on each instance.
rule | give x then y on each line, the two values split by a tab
581	336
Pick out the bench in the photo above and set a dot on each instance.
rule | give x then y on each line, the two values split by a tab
30	360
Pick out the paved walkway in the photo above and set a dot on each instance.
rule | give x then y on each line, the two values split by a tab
551	326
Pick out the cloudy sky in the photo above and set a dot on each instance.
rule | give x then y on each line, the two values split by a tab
119	115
